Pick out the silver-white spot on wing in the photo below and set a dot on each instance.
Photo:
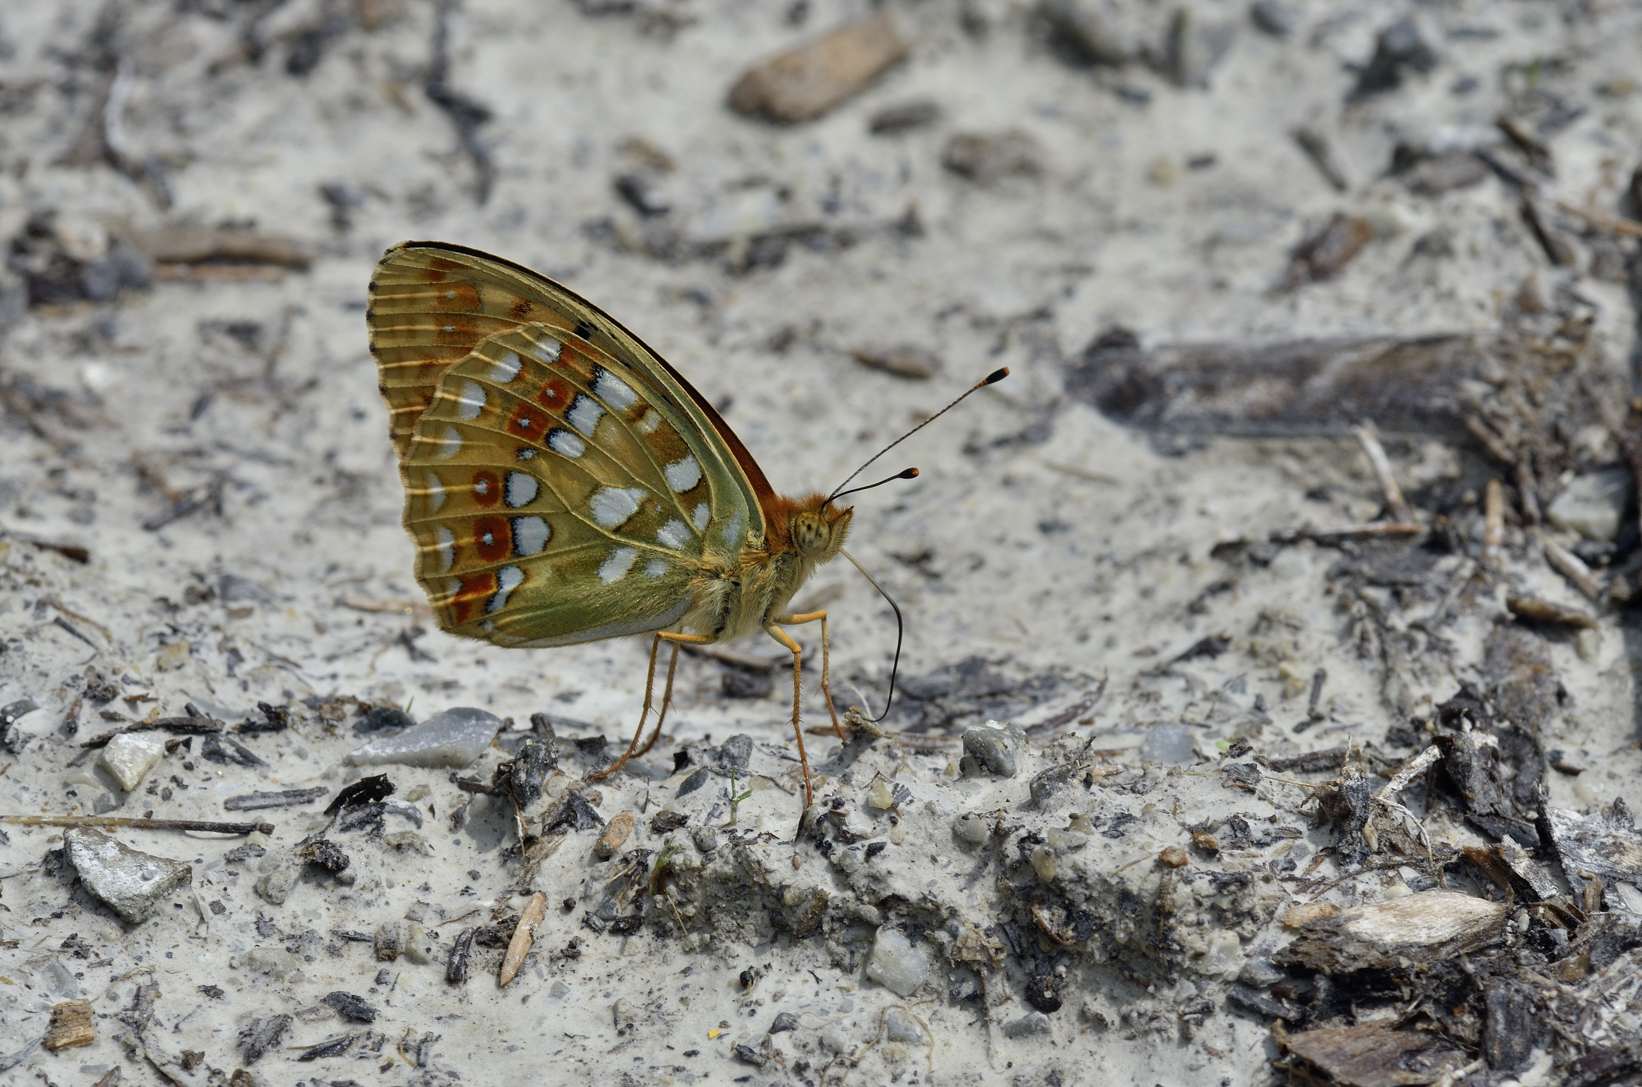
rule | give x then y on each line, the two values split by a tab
520	489
530	535
565	443
655	567
683	474
508	578
674	534
649	422
613	390
699	517
433	491
734	527
444	542
615	567
506	368
612	506
546	349
584	414
447	443
470	399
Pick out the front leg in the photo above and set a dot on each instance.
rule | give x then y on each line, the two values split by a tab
797	652
826	662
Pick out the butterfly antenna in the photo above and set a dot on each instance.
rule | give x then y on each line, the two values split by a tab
990	379
900	624
905	473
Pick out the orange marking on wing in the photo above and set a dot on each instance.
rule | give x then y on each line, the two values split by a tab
556	394
491	538
471	594
527	421
444	264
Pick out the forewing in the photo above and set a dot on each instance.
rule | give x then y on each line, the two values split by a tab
554	498
432	304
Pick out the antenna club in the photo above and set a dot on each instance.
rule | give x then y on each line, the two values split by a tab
994	377
910	473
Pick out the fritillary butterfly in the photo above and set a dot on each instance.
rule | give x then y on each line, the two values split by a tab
563	483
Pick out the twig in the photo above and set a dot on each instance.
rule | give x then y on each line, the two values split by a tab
1395	503
1568	564
208	825
72	614
183	726
524	934
1377	530
1630	228
1493	520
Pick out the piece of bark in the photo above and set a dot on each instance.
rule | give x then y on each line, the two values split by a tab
1418	928
1373	1054
808	80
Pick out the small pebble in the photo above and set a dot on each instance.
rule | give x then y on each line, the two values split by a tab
1169	745
896	963
389	941
901	1026
972	828
992	749
615	835
1028	1025
453	738
1274	17
1173	857
705	838
784	1021
131	755
988	158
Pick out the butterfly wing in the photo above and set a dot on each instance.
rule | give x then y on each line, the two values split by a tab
561	485
431	303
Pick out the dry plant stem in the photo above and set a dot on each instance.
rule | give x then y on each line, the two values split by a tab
1568	564
1395	503
1493	520
206	825
524	933
1629	228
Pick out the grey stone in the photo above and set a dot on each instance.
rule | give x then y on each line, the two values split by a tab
131	755
1096	31
784	1021
419	944
280	871
389	941
453	738
706	838
972	828
896	963
1169	745
901	1025
1196	46
1592	504
994	749
989	158
1027	1026
1274	17
132	883
736	752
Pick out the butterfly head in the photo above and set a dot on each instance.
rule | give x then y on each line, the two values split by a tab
819	528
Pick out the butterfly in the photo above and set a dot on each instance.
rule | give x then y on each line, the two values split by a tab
564	484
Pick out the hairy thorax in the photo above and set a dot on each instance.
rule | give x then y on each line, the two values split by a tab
740	597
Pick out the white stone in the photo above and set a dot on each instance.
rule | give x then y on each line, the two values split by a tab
131	755
896	963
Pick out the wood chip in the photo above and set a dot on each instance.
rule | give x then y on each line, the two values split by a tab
524	934
809	80
1422	928
71	1025
902	360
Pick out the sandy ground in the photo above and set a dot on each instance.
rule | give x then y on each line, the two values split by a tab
1059	557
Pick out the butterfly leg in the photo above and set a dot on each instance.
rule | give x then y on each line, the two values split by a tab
666	700
633	749
826	663
797	652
